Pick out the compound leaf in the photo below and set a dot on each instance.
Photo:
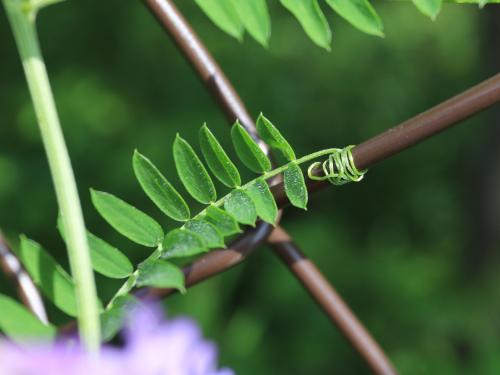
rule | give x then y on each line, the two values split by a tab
158	189
224	222
127	220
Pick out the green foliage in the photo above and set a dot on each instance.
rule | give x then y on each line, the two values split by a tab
113	318
224	222
193	174
273	138
240	205
254	16
106	259
127	220
248	150
53	280
158	189
210	235
264	202
295	186
160	274
20	324
218	161
181	242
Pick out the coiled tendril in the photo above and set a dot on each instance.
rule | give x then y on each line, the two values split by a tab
339	168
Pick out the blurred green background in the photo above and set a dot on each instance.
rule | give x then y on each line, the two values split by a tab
414	249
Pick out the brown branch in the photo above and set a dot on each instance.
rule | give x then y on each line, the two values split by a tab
26	289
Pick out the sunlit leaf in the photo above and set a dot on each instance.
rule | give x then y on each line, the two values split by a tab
248	151
20	324
263	200
192	172
223	14
54	282
113	319
255	17
430	8
295	187
127	220
182	243
218	161
312	20
210	235
161	274
158	189
224	222
272	136
241	207
360	14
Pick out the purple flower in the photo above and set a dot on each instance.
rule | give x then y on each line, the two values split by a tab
152	347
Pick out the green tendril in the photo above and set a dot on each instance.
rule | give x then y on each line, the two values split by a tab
339	168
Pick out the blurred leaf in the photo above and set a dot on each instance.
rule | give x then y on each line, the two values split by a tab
224	222
106	259
161	274
113	319
210	235
161	192
182	243
428	7
20	324
359	13
54	282
218	161
241	207
272	136
255	17
248	151
295	187
312	20
193	174
127	220
263	200
223	14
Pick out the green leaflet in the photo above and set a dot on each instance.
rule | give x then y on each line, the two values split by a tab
241	207
224	222
158	189
255	17
312	20
248	151
218	161
182	243
106	259
430	8
223	14
295	187
54	282
193	174
161	274
20	324
360	14
113	319
263	200
127	220
272	136
210	235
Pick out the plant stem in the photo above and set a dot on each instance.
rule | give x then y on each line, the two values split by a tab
22	14
132	279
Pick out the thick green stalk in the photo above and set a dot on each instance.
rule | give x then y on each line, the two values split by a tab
22	14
